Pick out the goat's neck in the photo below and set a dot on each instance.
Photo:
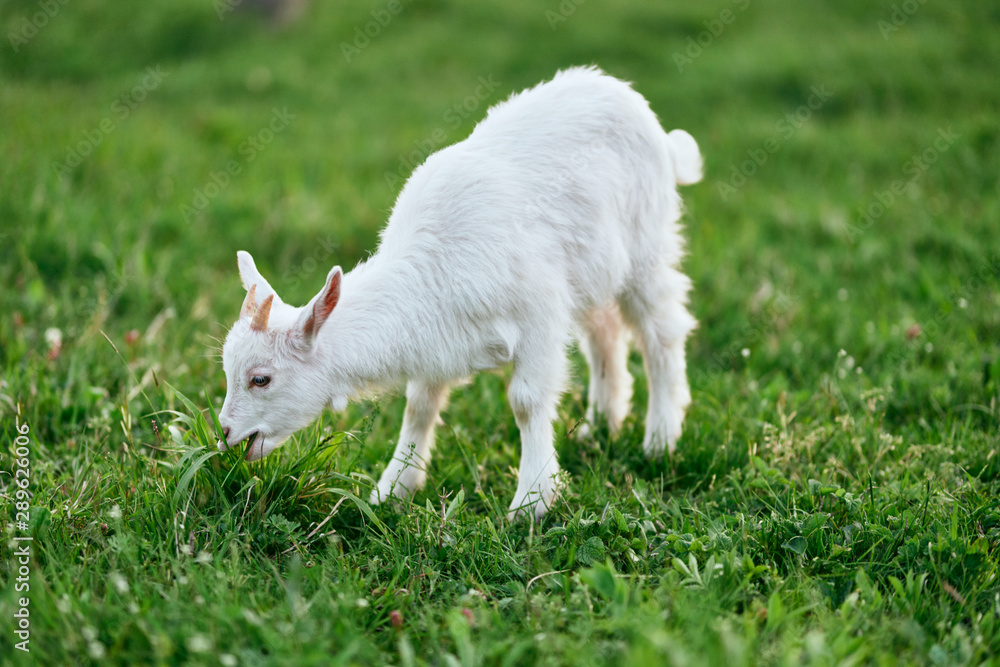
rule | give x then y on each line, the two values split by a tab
370	341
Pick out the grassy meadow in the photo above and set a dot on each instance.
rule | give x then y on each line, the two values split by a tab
834	497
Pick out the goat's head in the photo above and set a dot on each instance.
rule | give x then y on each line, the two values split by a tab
274	380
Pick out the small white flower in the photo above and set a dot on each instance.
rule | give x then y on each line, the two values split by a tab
96	650
842	353
362	603
198	644
929	347
115	512
745	352
120	583
797	347
962	303
53	337
252	618
228	660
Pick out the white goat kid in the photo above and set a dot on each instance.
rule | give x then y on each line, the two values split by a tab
558	216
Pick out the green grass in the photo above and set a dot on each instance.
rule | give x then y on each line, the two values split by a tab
834	498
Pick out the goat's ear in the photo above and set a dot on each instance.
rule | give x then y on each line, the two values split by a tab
322	304
251	276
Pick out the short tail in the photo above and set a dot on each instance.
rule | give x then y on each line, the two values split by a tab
687	157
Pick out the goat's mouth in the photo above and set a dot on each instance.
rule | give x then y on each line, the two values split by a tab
251	441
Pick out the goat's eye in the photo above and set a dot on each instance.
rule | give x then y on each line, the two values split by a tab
261	380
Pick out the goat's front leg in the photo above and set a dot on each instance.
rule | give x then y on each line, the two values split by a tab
407	471
533	395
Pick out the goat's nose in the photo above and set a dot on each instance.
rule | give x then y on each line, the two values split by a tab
225	433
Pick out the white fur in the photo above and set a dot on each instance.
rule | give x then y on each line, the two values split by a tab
556	218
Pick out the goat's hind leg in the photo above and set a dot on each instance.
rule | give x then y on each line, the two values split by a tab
605	345
655	309
407	471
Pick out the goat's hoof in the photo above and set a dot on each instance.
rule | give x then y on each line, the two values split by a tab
663	439
534	503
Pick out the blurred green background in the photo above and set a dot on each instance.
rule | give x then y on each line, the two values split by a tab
115	230
843	245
